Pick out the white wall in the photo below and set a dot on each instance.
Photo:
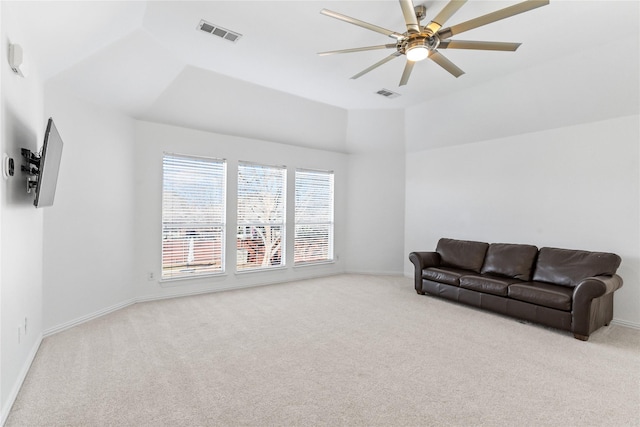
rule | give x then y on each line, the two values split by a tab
21	125
375	218
88	232
152	140
234	107
575	187
559	92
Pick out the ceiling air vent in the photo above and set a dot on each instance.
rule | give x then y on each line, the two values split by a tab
215	30
387	93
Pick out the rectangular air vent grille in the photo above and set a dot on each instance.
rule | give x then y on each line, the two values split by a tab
387	93
216	30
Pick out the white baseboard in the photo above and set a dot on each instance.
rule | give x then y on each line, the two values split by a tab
375	273
200	292
86	318
18	384
230	288
626	323
119	306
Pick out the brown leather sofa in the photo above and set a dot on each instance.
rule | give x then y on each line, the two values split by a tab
566	289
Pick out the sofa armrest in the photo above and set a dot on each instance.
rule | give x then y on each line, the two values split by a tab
593	304
595	287
422	260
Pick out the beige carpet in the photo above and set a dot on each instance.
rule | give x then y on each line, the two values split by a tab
345	350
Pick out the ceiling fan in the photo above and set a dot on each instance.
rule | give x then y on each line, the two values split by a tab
421	42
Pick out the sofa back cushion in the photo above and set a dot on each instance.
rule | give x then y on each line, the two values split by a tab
568	267
463	254
510	260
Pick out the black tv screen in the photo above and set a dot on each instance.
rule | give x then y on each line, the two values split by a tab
49	166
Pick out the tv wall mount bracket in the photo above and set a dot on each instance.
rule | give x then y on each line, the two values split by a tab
31	167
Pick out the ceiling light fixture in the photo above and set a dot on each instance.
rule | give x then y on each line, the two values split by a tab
417	50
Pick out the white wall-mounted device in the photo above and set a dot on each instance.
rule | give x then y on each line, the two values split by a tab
8	167
15	59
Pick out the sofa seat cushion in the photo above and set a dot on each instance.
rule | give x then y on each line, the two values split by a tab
450	276
510	260
544	294
488	284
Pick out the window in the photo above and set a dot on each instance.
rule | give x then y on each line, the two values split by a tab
261	216
193	216
313	241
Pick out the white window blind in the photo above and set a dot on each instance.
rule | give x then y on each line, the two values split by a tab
193	216
261	216
313	240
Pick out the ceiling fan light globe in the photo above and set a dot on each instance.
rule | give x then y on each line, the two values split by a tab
417	53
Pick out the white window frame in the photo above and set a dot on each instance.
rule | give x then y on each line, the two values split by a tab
314	208
196	176
256	228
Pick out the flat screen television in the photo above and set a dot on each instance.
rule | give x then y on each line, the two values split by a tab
49	166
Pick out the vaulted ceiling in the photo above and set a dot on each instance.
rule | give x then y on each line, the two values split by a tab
149	60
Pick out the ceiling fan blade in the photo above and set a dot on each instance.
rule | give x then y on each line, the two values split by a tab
407	72
377	64
413	26
444	15
439	59
479	45
362	24
507	12
358	49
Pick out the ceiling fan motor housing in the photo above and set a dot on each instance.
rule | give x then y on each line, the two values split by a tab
411	41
